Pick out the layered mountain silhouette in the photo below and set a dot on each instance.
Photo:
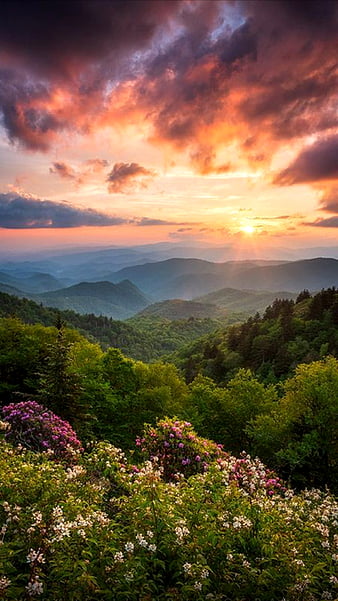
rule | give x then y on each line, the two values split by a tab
191	278
101	298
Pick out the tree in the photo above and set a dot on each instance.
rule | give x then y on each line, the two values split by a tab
60	388
300	437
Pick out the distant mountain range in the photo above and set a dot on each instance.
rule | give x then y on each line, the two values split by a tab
35	282
191	278
240	286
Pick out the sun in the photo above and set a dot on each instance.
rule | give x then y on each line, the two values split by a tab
248	229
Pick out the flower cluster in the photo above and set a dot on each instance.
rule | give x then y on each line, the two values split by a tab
177	450
249	474
38	429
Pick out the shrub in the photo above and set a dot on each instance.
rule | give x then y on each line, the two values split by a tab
38	429
177	449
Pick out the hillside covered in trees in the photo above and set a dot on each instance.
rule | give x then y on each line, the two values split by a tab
142	337
289	332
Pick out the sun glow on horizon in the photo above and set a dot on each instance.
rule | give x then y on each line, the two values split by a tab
248	229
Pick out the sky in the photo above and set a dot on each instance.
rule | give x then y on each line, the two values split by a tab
192	121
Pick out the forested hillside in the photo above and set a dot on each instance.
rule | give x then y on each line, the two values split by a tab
107	396
146	338
290	332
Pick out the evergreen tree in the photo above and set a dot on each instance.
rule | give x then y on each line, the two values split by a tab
60	388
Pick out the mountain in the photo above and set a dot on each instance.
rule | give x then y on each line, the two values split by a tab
13	291
313	274
100	298
34	282
182	278
181	309
193	278
244	301
272	345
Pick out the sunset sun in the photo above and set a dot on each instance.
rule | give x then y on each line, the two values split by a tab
248	229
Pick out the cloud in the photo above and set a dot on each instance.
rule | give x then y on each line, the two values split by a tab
127	176
24	212
145	221
64	39
82	174
20	211
329	222
329	200
96	165
189	71
315	163
63	170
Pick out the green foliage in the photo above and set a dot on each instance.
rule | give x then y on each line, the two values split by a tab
107	396
299	437
223	414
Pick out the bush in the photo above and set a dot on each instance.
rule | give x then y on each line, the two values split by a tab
176	449
38	429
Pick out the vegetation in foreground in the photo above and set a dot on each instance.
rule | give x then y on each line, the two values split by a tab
186	513
106	527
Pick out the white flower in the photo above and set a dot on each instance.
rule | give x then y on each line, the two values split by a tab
119	557
141	540
35	556
129	547
152	548
34	587
4	583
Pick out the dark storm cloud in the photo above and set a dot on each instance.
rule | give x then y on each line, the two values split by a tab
61	35
125	176
194	71
79	46
274	75
315	163
21	212
22	111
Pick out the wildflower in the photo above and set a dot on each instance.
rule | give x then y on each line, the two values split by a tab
141	540
34	587
118	557
129	547
4	583
35	556
187	567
